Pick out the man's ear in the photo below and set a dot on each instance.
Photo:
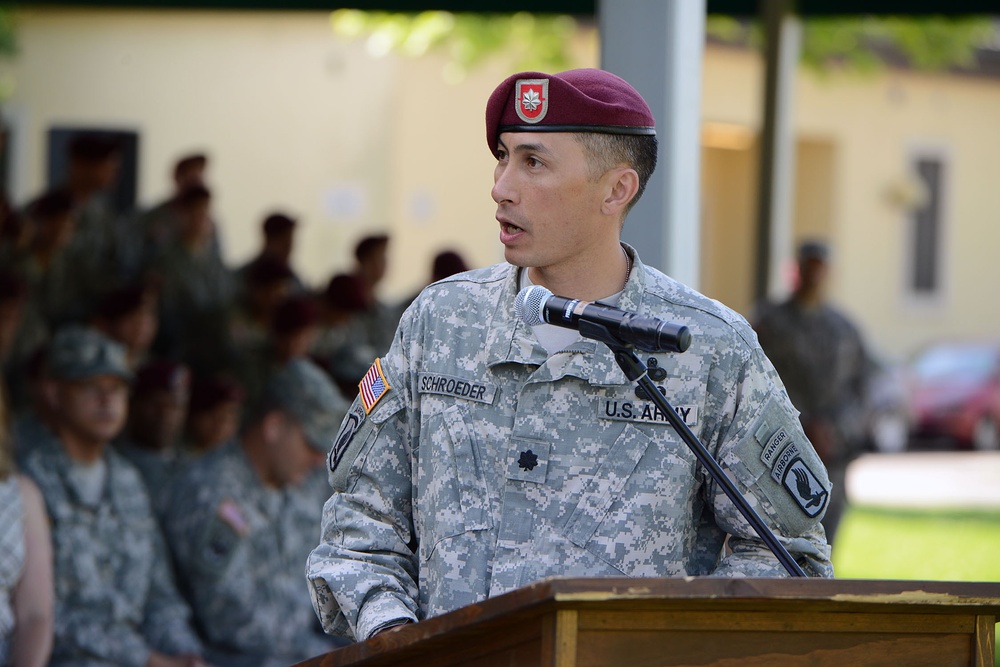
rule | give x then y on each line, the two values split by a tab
272	425
623	185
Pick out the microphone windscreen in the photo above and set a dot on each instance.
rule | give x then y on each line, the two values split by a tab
528	305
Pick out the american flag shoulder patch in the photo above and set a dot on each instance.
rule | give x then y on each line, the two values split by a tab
373	386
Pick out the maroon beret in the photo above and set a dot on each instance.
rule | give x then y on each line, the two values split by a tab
295	313
125	300
161	375
346	292
579	100
211	391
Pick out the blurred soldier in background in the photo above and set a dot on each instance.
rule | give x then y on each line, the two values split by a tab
821	358
151	439
214	413
241	522
116	601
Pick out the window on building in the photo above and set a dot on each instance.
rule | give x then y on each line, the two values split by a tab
927	227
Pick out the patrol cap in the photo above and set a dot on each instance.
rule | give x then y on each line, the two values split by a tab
211	391
305	392
78	352
579	100
813	249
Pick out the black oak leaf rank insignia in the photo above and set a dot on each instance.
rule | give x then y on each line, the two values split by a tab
528	460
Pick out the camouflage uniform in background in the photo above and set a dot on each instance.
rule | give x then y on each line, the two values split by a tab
473	462
116	598
195	306
158	469
11	558
96	259
822	361
239	545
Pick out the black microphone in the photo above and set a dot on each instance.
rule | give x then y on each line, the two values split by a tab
536	305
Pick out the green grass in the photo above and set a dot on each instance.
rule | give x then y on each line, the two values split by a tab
929	545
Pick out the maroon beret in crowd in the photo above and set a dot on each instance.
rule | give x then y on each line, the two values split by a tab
125	300
346	292
579	100
161	375
211	391
294	314
447	263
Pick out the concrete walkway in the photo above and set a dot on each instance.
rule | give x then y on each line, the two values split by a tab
926	480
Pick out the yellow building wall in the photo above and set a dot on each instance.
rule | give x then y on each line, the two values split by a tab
297	119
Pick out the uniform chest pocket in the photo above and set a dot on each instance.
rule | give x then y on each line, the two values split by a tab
453	497
632	511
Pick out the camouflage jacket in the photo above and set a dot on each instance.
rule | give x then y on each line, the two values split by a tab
485	464
116	599
11	557
239	547
822	360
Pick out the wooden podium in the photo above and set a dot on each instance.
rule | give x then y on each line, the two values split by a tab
700	621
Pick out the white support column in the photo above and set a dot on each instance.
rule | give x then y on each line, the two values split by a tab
776	185
658	47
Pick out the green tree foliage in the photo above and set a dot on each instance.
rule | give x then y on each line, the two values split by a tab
862	44
532	41
8	33
867	44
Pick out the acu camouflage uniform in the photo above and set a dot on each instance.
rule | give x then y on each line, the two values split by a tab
487	464
11	558
116	598
823	363
239	545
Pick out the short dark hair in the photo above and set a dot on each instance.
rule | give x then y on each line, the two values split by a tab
193	194
94	146
195	161
277	224
606	151
51	205
370	244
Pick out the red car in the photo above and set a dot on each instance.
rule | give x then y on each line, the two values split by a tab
954	394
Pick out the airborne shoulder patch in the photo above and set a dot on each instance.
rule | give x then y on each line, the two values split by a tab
804	487
355	417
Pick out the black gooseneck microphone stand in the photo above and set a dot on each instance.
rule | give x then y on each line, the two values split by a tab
635	370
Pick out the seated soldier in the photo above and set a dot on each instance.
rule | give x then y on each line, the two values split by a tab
116	601
242	519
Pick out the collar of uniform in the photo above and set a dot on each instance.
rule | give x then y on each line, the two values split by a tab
511	340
